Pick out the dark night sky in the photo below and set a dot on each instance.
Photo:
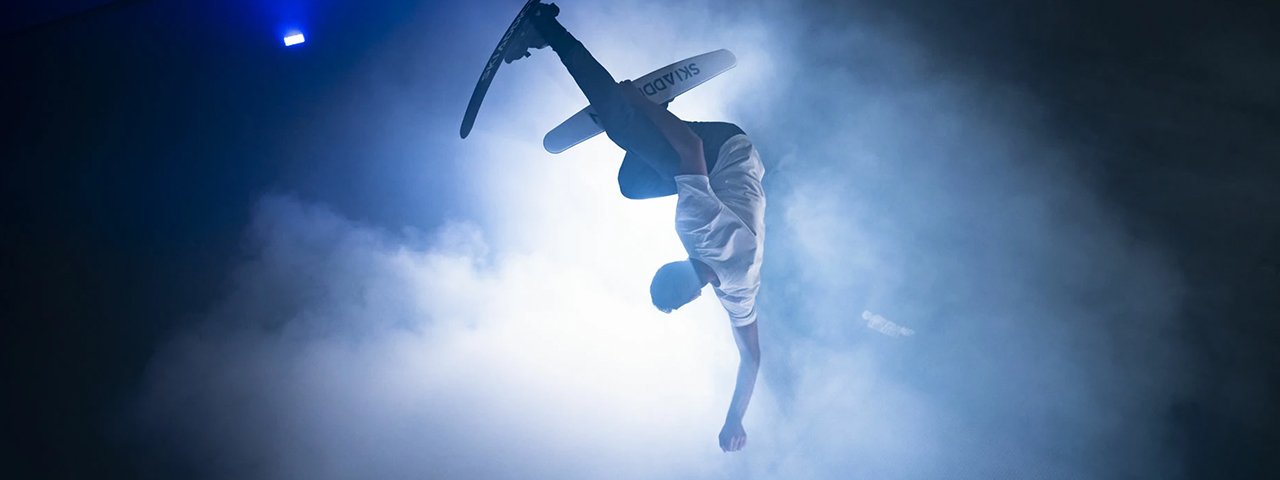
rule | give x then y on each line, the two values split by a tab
140	137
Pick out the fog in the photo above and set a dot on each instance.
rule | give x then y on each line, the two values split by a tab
516	340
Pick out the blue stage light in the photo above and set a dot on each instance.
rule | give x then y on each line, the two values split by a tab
294	39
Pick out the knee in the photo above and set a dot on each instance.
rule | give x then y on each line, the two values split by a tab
630	188
633	193
636	187
640	188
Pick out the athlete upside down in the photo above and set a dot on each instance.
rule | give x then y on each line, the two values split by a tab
716	173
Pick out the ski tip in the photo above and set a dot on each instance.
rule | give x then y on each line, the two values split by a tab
733	59
550	147
465	130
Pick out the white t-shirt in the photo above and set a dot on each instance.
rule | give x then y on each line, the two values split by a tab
720	221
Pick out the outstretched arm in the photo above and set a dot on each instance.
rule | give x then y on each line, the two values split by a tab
732	436
687	145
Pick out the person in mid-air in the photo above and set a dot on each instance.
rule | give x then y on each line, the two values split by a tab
716	173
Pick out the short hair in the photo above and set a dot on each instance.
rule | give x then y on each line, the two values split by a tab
674	284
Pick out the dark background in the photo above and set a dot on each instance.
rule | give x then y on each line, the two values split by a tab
139	133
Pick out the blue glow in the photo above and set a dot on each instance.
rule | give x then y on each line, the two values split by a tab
294	39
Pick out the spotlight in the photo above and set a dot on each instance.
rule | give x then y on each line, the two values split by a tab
294	39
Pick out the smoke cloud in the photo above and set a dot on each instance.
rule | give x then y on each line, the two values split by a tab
520	343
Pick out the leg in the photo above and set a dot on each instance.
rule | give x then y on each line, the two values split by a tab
626	126
638	180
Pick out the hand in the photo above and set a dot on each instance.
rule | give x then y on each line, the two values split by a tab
732	437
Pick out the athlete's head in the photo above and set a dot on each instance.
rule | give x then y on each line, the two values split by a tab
675	284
